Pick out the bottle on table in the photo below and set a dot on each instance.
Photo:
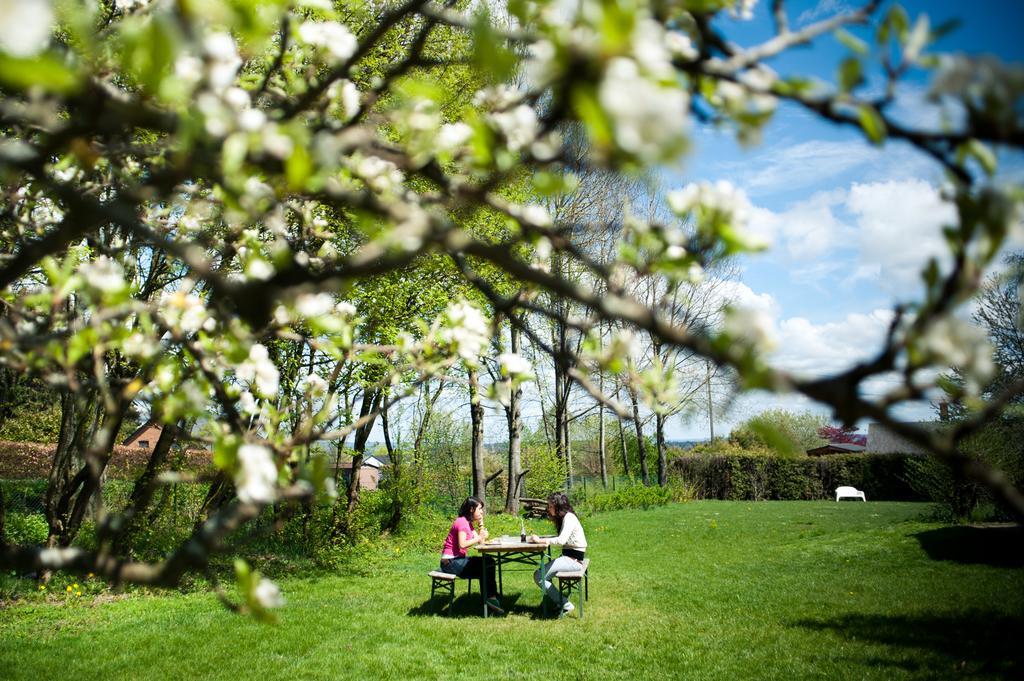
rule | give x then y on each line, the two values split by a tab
522	531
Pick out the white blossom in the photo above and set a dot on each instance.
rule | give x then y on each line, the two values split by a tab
259	269
452	136
104	274
743	9
333	36
963	345
267	594
314	304
466	331
247	404
649	119
314	385
258	370
224	61
534	214
650	50
514	365
188	68
623	345
680	45
256	477
345	309
184	311
519	126
347	94
25	26
752	327
276	143
139	346
720	200
380	175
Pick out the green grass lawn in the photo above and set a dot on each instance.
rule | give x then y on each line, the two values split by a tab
701	590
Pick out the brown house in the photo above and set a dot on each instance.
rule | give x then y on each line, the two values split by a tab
369	472
145	436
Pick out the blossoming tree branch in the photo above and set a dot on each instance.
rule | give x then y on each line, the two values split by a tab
188	187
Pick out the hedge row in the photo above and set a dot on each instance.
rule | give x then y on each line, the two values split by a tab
30	460
882	477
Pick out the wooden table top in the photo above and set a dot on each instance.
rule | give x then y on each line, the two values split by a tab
498	546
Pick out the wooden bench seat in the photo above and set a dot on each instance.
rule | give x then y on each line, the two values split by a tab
569	580
445	583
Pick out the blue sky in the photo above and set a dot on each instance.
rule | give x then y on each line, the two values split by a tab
851	224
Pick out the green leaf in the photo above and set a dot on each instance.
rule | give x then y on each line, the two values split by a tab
489	51
945	28
851	74
872	123
45	72
585	102
298	167
852	42
979	152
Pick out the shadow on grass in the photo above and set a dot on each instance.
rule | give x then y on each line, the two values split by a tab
939	646
469	605
999	546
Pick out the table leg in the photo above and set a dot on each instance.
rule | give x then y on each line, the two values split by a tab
543	591
483	581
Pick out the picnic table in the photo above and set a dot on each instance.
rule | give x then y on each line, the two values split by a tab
510	550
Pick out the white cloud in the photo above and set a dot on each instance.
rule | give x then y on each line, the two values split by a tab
791	167
810	349
738	294
824	9
899	229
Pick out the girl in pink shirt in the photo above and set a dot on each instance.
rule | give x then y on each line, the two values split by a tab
460	537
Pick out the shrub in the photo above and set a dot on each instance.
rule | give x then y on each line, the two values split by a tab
752	477
633	496
26	528
547	471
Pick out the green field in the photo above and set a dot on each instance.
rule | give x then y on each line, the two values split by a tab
700	590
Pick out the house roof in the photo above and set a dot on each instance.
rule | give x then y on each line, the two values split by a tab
151	423
836	448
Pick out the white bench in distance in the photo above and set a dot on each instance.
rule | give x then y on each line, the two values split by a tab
849	493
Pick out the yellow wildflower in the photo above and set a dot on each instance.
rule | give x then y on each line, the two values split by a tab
69	589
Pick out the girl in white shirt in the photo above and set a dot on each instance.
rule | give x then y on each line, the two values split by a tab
570	538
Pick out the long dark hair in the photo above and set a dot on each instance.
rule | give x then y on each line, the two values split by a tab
469	508
562	506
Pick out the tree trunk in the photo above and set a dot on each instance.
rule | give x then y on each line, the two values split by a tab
515	431
711	410
476	412
75	418
142	490
625	452
3	513
371	400
601	437
396	476
421	431
568	456
659	421
641	446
